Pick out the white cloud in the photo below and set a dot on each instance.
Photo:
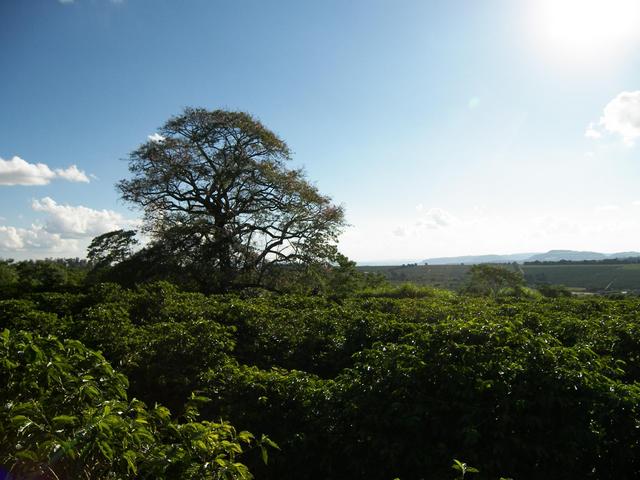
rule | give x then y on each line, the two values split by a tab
593	131
64	231
636	203
427	219
78	221
156	138
35	237
20	172
621	116
10	238
436	218
72	174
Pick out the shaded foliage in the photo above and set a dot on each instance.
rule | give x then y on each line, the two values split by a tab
386	383
50	275
65	414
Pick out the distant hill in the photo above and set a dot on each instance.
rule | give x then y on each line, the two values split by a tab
570	255
473	259
550	256
624	255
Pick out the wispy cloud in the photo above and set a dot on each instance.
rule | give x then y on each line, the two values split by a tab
20	172
426	219
593	131
606	208
553	225
433	218
72	174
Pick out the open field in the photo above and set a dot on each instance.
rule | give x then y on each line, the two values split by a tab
451	277
594	278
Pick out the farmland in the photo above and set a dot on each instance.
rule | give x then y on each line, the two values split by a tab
394	383
591	277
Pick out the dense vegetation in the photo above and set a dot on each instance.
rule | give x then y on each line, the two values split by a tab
240	315
378	383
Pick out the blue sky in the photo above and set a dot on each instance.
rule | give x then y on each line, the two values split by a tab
444	127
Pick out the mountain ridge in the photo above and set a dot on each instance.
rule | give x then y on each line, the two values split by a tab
550	256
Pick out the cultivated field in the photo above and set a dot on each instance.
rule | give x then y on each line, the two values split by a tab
591	277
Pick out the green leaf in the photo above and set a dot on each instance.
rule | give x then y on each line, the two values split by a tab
106	450
62	420
130	456
27	455
19	420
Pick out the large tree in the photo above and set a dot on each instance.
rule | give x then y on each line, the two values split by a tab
215	188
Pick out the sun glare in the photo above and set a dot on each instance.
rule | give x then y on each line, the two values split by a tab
586	30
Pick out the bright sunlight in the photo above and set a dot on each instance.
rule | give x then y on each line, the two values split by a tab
585	31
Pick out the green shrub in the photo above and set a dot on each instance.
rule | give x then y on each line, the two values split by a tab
64	413
389	382
405	290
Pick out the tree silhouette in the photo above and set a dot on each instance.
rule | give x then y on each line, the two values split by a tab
214	186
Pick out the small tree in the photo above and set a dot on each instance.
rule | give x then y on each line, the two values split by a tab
111	247
8	276
214	186
42	275
554	291
490	279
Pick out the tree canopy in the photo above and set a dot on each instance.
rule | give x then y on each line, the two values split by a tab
111	247
488	279
215	188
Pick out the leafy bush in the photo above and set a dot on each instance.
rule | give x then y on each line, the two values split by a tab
385	383
405	290
24	315
65	414
554	291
